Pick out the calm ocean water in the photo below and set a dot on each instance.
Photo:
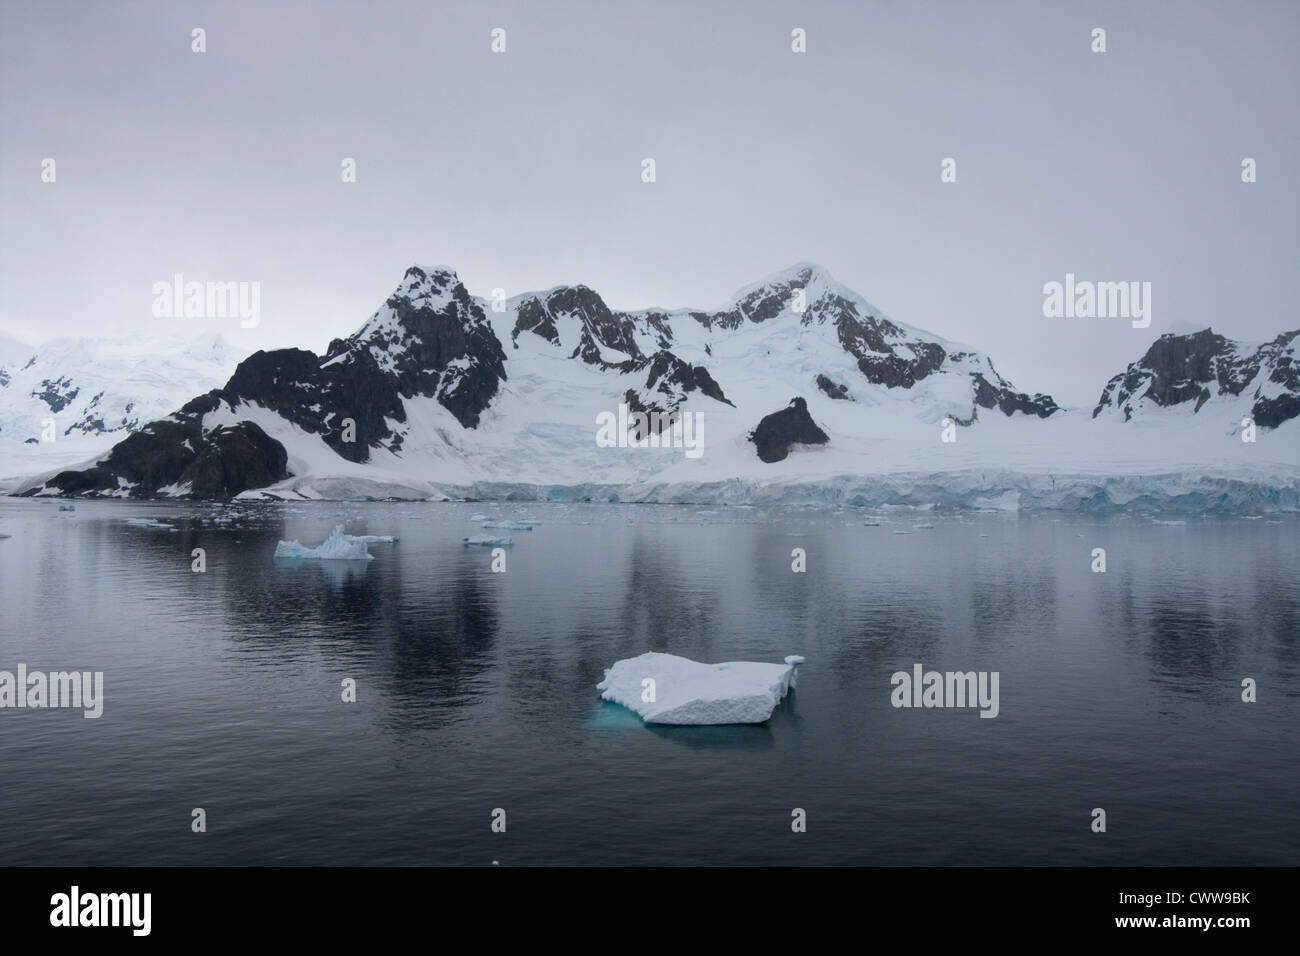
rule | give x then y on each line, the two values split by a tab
477	690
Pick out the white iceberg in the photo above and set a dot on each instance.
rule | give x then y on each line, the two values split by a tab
488	541
688	692
149	523
509	525
337	547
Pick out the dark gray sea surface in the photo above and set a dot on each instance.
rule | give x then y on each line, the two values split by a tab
476	690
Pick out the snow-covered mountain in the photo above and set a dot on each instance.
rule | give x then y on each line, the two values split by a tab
72	398
798	382
1260	382
13	353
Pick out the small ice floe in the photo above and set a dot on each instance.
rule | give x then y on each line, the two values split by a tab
149	523
871	524
67	507
902	532
376	538
925	526
3	536
337	547
509	525
478	516
488	541
683	691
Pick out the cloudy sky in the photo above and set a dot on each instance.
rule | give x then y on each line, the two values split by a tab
522	170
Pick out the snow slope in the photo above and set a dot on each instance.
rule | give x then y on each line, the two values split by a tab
95	391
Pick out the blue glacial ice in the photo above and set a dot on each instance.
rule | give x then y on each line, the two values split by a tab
337	547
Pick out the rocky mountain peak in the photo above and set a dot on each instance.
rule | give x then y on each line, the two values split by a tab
1202	366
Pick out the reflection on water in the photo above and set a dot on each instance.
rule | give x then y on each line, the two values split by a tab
477	690
338	573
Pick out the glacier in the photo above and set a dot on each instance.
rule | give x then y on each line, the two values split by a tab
96	391
686	692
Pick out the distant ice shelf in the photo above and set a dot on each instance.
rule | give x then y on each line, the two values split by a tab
685	692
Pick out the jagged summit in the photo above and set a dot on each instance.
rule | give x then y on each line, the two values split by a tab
1261	382
421	283
775	293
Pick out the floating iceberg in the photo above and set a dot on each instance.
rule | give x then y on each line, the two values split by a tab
337	547
489	541
509	525
149	523
688	692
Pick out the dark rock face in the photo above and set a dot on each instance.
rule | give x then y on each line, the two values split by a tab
835	390
173	452
533	317
769	301
600	329
1284	374
57	394
1203	365
1007	401
673	378
90	423
435	341
233	460
777	432
604	333
320	398
878	345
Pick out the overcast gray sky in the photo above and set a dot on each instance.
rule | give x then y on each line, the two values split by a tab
523	170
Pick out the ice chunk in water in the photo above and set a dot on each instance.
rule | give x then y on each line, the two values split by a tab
688	692
337	547
148	523
489	541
